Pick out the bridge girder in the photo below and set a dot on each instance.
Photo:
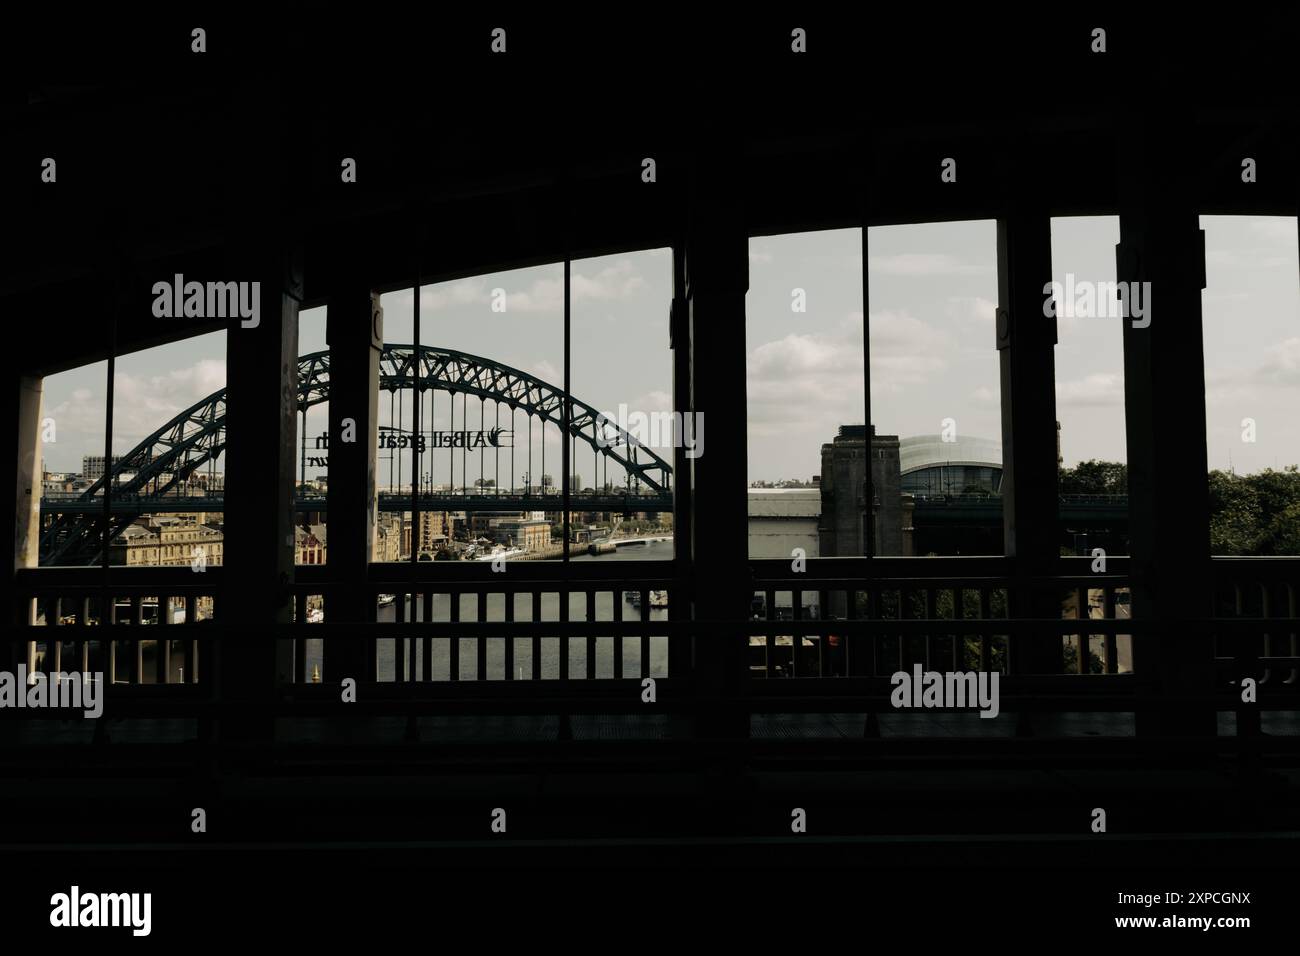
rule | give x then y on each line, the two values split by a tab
196	435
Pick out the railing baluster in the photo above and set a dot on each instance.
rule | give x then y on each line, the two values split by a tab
852	652
508	651
409	657
537	635
1294	637
1260	643
137	656
1110	641
930	614
591	638
453	648
399	657
163	655
426	643
905	648
986	657
53	647
769	615
192	648
481	644
564	633
873	640
83	621
644	612
617	597
1081	612
958	640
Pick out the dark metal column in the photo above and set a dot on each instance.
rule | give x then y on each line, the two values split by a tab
679	646
20	487
355	332
1026	341
261	405
1164	383
717	278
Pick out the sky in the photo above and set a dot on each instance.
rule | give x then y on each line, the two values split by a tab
933	289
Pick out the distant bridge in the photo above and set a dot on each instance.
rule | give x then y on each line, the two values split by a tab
156	473
964	509
388	501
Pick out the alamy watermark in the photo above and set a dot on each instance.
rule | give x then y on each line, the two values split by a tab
208	300
1084	299
653	429
75	908
950	689
71	690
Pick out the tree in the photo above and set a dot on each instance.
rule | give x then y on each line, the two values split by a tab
1255	514
1094	477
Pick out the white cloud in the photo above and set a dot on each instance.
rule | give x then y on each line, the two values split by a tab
544	295
1280	229
1280	369
905	351
615	282
618	281
805	381
1098	389
1255	260
464	292
976	309
1283	363
543	370
916	264
143	403
655	401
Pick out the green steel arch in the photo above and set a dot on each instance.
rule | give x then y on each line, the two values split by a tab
197	436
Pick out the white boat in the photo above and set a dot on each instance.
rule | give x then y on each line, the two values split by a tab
501	553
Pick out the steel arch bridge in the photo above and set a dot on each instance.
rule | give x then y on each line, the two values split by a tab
162	464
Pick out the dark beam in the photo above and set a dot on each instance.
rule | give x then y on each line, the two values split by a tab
1164	382
355	332
717	279
1026	340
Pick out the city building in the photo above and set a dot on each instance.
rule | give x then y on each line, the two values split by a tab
846	521
964	466
527	533
92	466
388	537
309	544
782	520
167	540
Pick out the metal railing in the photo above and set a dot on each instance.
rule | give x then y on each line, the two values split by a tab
460	640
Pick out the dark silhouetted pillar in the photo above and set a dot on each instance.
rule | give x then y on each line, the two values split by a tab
1164	384
355	331
717	278
1026	340
258	573
679	646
